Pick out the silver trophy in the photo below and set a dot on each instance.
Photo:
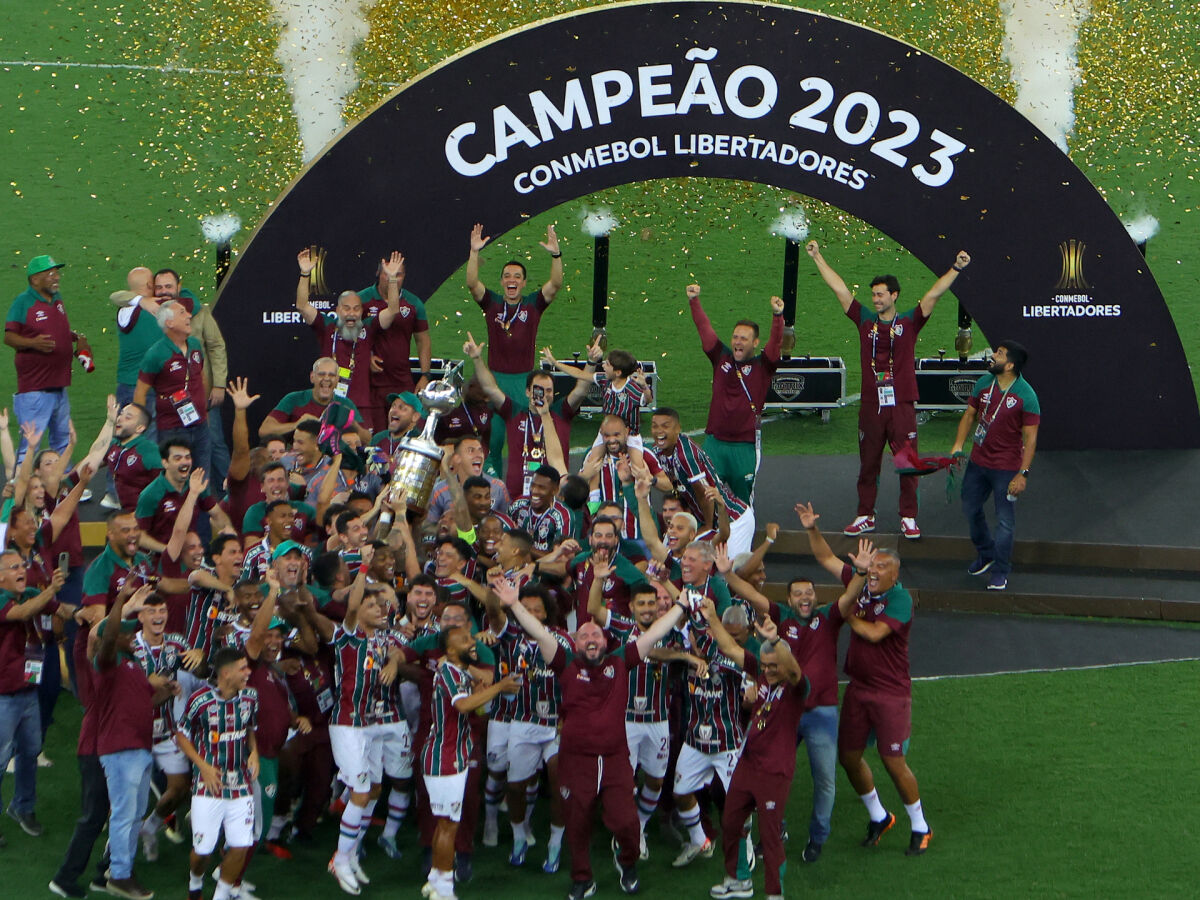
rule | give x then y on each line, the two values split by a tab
419	459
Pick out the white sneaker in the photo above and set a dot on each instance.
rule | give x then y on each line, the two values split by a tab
431	893
643	850
732	887
109	501
44	762
691	851
345	877
356	867
86	495
491	833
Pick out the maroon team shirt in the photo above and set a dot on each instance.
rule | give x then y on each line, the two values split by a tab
312	688
393	345
16	640
893	347
523	432
770	745
243	494
70	540
274	708
594	700
356	357
814	644
881	667
32	315
124	708
512	331
465	421
739	390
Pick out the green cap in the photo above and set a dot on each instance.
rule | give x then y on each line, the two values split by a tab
42	263
285	548
407	397
277	622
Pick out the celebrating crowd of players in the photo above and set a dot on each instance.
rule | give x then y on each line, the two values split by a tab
271	636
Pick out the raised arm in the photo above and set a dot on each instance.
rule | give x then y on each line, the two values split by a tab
507	592
96	453
661	628
658	550
556	454
551	288
943	284
573	371
487	381
478	242
358	588
393	268
239	457
831	278
7	451
708	337
860	561
601	569
308	312
739	585
262	619
197	482
789	667
724	639
28	609
816	541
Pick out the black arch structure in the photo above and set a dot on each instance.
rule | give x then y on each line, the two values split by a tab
1053	267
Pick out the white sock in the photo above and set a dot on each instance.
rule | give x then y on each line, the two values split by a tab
556	835
493	793
277	823
348	833
223	891
397	810
364	823
443	882
647	802
195	882
691	821
917	816
520	831
874	808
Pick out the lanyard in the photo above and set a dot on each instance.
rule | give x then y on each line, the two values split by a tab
507	320
891	347
467	412
535	443
353	351
745	390
999	403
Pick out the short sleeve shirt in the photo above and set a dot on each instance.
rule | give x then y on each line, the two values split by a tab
29	316
594	700
134	465
512	331
1002	414
393	345
882	667
298	403
887	348
355	358
175	377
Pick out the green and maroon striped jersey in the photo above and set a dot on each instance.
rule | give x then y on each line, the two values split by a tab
713	704
686	465
448	745
358	660
649	699
538	699
207	612
166	659
220	731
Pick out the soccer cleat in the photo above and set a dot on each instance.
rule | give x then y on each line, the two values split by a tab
387	843
581	890
876	830
860	525
553	859
356	867
491	833
172	830
150	845
345	877
517	857
980	566
732	887
909	528
241	892
691	851
628	874
276	849
643	850
69	889
919	842
812	852
997	582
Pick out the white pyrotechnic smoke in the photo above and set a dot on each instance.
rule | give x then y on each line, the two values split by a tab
1041	41
221	228
316	49
1142	228
791	224
598	222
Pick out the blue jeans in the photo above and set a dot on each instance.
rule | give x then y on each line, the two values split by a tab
818	729
50	411
978	483
21	736
127	774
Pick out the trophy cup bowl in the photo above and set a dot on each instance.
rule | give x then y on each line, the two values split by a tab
419	459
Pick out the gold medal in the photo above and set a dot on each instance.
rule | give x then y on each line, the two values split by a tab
535	452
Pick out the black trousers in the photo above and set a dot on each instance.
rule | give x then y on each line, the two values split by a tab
93	801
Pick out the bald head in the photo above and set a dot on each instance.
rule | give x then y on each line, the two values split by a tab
141	281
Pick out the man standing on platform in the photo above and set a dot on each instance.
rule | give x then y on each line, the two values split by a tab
512	320
390	369
38	330
1001	420
739	390
887	409
594	755
345	336
878	699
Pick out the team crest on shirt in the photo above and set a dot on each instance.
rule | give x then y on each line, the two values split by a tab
609	584
195	356
705	732
878	608
608	672
815	623
523	315
543	708
565	792
745	370
1010	402
129	461
898	328
404	311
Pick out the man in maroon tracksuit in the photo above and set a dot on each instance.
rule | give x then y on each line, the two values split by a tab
887	410
740	383
594	755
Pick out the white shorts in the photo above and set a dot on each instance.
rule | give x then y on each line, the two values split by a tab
170	759
396	741
497	746
446	794
649	747
211	816
694	770
741	533
530	746
358	753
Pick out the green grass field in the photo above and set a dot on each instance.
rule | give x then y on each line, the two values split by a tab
1067	784
111	167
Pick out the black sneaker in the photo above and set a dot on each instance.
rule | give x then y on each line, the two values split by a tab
66	889
98	885
980	566
812	852
582	889
876	830
463	870
629	877
919	842
28	822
